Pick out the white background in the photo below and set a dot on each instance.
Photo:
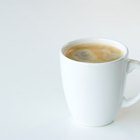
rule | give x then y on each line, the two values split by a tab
32	104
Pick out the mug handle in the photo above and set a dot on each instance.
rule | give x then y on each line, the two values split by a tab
132	64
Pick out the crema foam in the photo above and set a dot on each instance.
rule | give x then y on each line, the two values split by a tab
93	53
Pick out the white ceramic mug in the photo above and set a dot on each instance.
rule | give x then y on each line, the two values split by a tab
94	91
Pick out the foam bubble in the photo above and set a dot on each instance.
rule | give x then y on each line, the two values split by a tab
84	55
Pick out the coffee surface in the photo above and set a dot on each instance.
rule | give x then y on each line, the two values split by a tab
93	53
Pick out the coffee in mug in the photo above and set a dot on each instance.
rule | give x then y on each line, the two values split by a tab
93	53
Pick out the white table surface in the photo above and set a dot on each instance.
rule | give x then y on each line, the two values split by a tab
32	104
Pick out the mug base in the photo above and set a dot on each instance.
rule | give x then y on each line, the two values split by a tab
91	124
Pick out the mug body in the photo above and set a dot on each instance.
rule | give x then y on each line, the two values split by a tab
94	91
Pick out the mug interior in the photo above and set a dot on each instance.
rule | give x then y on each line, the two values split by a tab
112	43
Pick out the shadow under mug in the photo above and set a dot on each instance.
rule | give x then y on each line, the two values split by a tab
94	91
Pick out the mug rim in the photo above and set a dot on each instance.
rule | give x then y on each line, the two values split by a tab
120	45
